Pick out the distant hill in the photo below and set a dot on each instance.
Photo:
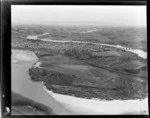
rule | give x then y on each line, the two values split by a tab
73	23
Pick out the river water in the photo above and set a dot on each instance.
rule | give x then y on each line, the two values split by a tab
22	84
63	104
139	52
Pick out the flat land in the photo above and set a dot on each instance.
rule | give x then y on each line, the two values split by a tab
88	70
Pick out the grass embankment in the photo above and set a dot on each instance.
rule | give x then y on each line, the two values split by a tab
19	101
103	81
101	86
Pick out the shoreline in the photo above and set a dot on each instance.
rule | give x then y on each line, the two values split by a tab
139	52
57	108
58	97
101	107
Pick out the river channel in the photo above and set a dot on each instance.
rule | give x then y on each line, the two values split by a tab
21	83
22	60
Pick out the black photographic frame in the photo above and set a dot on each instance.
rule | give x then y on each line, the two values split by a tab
6	41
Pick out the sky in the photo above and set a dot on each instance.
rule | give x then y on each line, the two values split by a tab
53	14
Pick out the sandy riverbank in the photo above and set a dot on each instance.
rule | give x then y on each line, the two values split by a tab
94	107
24	56
23	85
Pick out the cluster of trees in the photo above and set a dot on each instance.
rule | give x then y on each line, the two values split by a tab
79	54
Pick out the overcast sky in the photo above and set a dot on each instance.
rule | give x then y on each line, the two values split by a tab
47	14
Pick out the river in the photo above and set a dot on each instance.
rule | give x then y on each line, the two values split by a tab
139	52
22	60
21	83
64	104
